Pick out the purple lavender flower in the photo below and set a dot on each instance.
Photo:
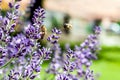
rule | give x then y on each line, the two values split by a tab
74	60
17	6
44	53
56	31
1	34
19	46
35	62
55	36
14	75
9	22
11	5
7	25
62	77
33	32
38	17
97	30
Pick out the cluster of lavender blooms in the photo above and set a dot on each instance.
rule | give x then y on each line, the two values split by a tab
22	55
73	64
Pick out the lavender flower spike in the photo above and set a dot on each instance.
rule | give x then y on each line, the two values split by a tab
38	17
78	60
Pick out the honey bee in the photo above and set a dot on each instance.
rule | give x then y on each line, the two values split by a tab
43	31
67	27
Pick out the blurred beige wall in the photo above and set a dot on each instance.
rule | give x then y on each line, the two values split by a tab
88	9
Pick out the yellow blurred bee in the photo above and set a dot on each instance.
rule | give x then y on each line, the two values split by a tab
67	27
43	31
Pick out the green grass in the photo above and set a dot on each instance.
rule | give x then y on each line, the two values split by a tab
107	70
108	66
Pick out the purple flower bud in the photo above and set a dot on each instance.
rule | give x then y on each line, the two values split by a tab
89	75
8	39
11	5
2	61
18	0
83	61
49	38
37	69
56	31
6	21
17	6
13	25
0	18
32	76
88	64
14	75
62	77
97	30
1	34
54	41
55	37
25	73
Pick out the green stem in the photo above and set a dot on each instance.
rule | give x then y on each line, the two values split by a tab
7	63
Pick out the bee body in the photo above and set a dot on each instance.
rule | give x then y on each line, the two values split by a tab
43	31
67	27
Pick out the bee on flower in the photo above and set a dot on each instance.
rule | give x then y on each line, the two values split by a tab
43	31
